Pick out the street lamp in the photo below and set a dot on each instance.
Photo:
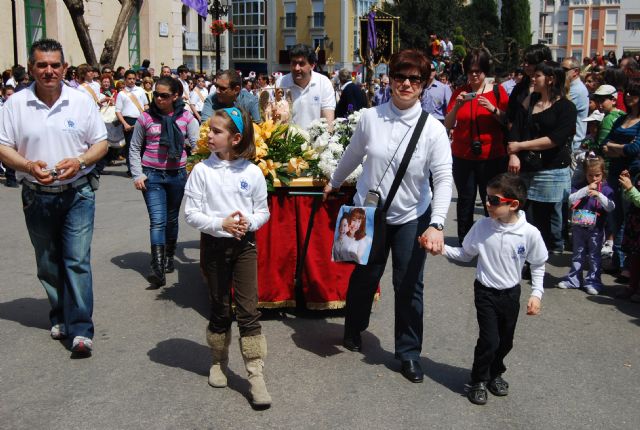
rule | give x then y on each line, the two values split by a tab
217	9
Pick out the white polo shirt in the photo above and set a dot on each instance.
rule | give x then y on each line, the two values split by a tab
37	132
309	102
125	105
196	100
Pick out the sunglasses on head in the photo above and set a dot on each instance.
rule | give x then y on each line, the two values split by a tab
162	95
498	200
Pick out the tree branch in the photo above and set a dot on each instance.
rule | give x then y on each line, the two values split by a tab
76	10
112	44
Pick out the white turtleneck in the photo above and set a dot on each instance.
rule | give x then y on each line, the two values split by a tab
380	130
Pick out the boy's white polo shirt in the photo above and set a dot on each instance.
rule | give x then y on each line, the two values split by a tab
125	105
309	102
37	132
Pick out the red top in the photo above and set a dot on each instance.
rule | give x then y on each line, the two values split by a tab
620	101
466	130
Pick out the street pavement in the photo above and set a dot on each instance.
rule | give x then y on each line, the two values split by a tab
575	366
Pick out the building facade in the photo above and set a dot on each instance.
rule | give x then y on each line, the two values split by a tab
584	28
162	31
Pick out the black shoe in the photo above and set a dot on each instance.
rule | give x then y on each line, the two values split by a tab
353	342
498	386
412	371
169	252
478	393
11	184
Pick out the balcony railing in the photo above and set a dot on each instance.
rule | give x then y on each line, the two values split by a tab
190	42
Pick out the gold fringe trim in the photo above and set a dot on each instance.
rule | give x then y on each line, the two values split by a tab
275	305
323	306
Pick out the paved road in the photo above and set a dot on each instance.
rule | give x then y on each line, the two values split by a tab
573	367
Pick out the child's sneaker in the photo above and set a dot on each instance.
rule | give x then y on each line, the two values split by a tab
498	386
564	285
591	290
607	249
58	332
82	345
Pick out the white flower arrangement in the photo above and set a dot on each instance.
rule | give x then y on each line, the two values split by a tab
329	146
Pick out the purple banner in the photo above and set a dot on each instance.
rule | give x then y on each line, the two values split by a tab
199	6
371	32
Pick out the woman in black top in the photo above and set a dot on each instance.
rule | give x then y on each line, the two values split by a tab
541	141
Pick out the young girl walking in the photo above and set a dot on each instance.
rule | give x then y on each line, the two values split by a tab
590	201
227	200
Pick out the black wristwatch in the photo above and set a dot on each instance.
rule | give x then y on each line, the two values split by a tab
438	226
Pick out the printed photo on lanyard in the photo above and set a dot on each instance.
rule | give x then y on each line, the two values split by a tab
353	235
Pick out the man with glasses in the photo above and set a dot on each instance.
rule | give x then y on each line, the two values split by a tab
312	93
383	94
579	95
54	161
228	85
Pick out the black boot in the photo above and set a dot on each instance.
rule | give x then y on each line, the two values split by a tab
156	276
169	252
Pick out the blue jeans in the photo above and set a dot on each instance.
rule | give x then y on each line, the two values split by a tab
163	197
61	227
407	259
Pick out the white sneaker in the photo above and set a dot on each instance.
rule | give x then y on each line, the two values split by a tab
58	332
82	345
590	290
564	285
607	249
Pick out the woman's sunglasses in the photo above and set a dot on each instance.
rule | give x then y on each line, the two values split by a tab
498	200
162	95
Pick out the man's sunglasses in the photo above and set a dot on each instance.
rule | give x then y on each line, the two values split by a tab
162	95
498	200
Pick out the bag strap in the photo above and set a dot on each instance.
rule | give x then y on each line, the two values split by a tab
199	93
134	99
93	93
408	153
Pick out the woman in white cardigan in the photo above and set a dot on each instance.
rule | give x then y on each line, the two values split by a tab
382	135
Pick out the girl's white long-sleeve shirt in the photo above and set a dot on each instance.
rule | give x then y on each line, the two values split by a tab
382	136
217	188
502	250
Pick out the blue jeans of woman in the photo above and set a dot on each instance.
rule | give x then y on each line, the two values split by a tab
60	226
407	259
163	197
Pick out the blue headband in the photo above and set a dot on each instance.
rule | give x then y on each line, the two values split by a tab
236	116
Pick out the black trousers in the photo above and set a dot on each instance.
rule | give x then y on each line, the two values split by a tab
497	313
127	139
471	177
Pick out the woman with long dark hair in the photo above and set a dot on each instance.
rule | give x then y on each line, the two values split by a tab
158	166
541	141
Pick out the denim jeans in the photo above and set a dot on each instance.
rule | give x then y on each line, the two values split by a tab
547	217
61	227
407	259
163	197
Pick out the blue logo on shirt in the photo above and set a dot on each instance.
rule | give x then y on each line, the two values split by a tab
244	184
521	250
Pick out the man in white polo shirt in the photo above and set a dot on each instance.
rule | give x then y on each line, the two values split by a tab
312	93
130	104
54	161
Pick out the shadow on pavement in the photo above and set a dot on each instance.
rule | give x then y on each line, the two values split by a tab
195	358
190	291
137	261
29	312
316	335
624	306
452	377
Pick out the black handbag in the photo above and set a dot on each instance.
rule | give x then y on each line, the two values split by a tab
530	160
378	254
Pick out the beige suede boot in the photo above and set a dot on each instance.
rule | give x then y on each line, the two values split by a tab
219	343
254	350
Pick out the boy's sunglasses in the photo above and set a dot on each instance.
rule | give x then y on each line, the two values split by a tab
497	200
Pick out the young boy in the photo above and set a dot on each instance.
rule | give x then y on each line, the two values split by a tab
502	242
